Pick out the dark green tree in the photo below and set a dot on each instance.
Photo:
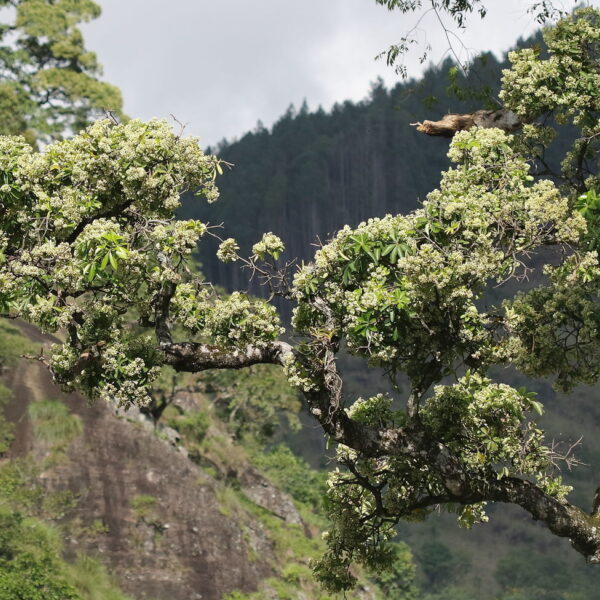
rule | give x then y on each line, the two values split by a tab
438	563
49	81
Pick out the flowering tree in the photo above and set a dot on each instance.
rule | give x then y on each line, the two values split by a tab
89	246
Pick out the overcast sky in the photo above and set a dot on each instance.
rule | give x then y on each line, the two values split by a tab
222	65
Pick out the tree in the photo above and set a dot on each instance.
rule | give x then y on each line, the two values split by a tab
439	564
90	246
48	80
398	582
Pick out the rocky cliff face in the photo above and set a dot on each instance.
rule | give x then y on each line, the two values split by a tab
159	522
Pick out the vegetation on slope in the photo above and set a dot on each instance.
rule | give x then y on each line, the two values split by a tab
32	564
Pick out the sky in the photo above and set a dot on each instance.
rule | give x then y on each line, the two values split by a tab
221	65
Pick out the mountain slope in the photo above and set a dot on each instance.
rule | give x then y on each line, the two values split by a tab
166	524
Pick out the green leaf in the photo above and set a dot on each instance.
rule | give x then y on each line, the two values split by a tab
504	472
537	406
92	272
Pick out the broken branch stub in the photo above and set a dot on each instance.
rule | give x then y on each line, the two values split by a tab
449	124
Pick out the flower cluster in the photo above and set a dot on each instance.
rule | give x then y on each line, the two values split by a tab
235	320
532	86
553	329
120	368
228	250
298	377
483	424
177	237
238	320
269	244
87	234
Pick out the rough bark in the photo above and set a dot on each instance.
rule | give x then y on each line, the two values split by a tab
562	518
193	357
451	123
324	401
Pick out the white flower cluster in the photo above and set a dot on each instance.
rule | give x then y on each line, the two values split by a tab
269	244
87	234
238	320
532	86
297	375
234	320
376	411
177	237
189	305
485	425
228	250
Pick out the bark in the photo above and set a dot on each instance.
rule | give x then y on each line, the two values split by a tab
561	518
369	441
324	401
193	357
451	123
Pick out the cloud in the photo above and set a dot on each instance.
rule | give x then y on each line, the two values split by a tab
223	65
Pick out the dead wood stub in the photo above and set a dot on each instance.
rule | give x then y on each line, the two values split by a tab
451	123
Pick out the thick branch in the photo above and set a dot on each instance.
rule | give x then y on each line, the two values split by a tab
193	357
563	519
464	487
324	401
451	123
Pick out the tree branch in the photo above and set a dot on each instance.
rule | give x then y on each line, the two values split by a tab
194	357
562	518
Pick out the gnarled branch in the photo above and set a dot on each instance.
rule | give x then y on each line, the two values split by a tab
193	357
